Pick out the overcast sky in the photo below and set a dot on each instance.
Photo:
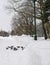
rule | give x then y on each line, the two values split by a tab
5	18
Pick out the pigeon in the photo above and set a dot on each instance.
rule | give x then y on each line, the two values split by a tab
22	47
7	48
15	49
11	47
18	46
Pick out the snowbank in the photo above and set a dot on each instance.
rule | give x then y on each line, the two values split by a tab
34	53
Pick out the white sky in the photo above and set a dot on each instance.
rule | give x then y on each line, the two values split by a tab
5	18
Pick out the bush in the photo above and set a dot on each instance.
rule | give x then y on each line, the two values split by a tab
4	33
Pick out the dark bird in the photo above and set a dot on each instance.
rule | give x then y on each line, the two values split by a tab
7	48
22	47
18	46
15	49
12	47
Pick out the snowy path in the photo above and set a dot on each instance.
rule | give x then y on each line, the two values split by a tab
35	52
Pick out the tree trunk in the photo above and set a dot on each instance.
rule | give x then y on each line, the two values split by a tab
45	34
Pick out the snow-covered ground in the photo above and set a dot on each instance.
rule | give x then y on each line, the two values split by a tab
33	52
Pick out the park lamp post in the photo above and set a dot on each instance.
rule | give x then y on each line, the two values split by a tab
35	37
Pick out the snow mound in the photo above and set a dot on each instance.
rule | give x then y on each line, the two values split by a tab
34	53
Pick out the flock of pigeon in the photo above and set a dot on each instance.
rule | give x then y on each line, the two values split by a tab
15	48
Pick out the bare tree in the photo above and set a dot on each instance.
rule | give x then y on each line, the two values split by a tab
24	21
25	10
